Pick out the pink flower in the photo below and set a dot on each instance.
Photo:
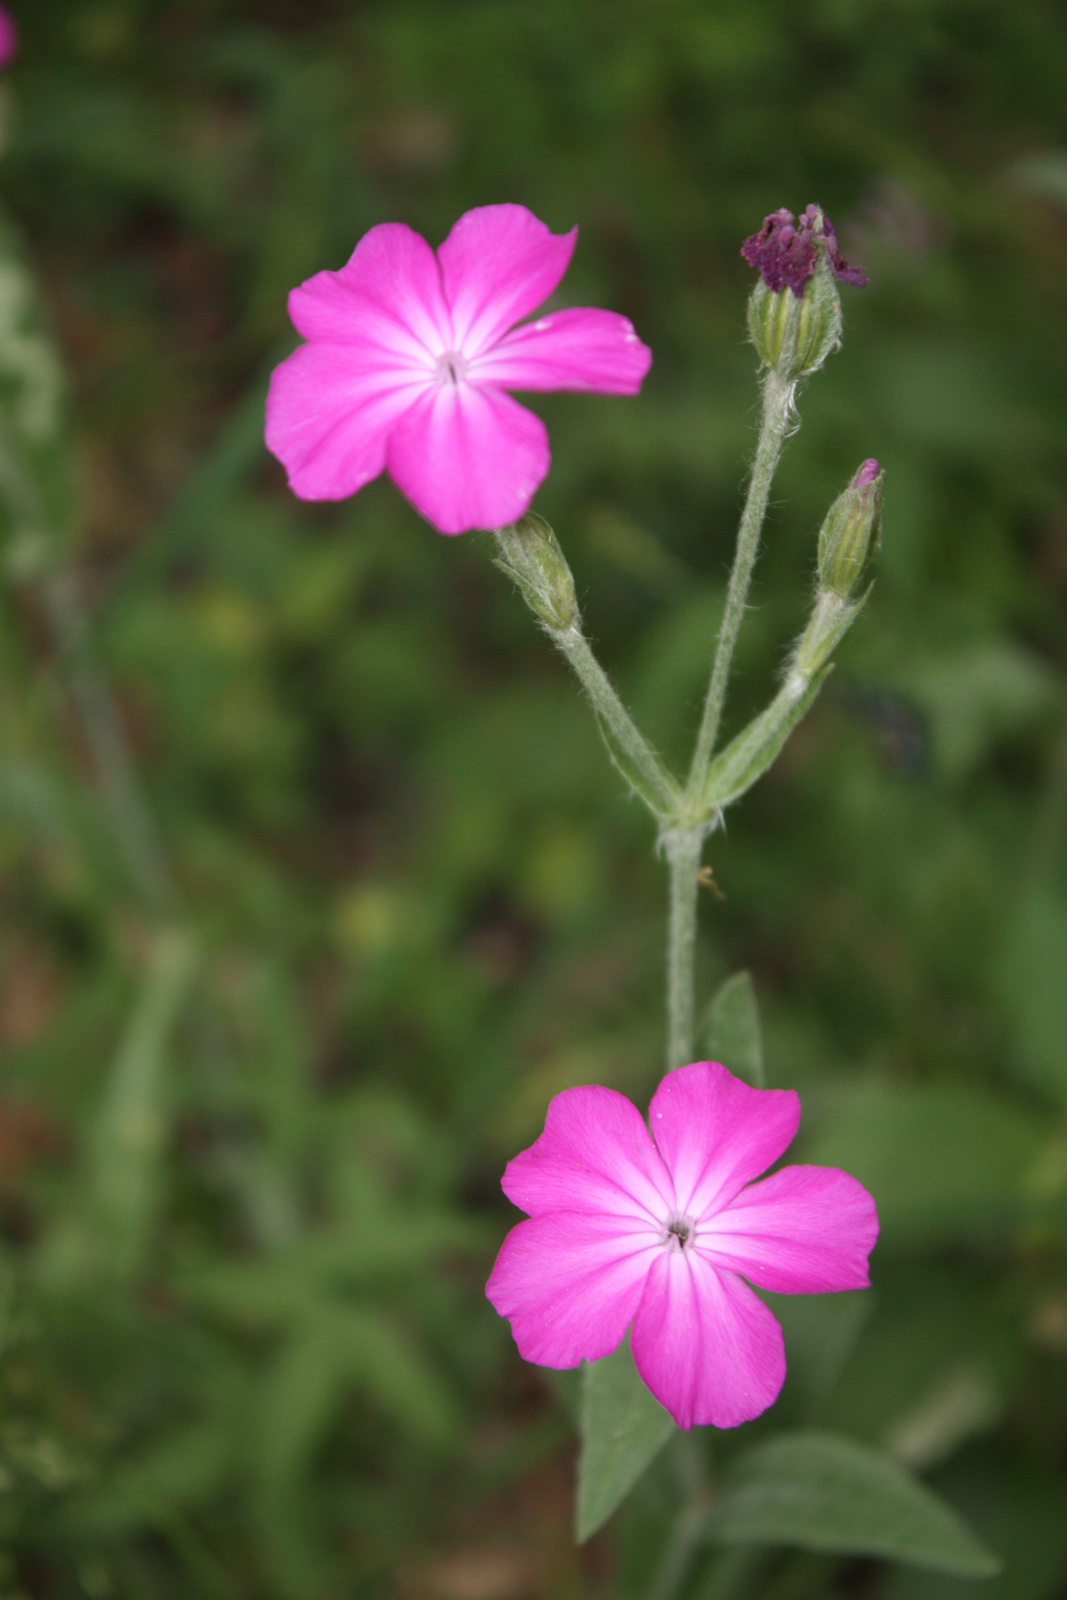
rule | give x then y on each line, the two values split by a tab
660	1231
408	357
9	37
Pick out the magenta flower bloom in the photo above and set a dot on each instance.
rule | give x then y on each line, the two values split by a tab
660	1230
9	37
408	358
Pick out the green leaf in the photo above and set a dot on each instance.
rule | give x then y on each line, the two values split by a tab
1030	979
942	1162
731	1031
128	1137
623	1429
653	798
823	1492
747	757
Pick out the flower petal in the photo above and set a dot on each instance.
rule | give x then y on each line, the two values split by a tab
705	1345
805	1230
497	265
569	1285
595	1156
468	457
328	422
388	294
578	349
716	1133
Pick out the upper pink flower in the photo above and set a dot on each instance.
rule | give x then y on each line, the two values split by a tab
408	357
9	37
659	1231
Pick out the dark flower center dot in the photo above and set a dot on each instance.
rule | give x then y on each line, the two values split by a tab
681	1230
451	367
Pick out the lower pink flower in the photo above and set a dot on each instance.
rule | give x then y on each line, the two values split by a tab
661	1230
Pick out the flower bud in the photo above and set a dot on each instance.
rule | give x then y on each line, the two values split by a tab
531	555
851	532
794	313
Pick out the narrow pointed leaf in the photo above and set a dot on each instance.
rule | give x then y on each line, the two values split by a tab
623	1429
654	799
757	747
131	1128
823	1492
731	1031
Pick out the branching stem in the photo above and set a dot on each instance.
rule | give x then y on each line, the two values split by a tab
777	405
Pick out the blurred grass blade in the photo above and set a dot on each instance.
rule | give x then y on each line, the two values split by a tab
128	1137
731	1031
823	1492
35	458
623	1429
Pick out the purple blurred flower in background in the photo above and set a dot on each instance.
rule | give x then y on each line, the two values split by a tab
9	37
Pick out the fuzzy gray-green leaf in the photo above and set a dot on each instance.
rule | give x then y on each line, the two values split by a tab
623	1429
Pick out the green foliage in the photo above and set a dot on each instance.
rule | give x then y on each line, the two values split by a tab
623	1429
826	1493
731	1030
265	1052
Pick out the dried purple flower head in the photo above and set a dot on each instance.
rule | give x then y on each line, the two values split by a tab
785	251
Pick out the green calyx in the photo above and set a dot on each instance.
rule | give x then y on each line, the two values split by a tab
794	334
850	535
530	554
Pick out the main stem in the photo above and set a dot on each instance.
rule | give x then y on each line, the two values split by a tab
682	848
777	400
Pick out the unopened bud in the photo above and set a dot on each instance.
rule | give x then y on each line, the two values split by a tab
531	555
794	313
851	532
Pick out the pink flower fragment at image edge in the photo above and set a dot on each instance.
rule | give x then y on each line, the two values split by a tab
408	358
660	1230
9	37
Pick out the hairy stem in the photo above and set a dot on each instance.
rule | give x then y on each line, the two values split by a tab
777	400
682	847
660	787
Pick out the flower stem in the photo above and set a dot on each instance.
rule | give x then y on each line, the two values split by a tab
656	785
682	847
777	403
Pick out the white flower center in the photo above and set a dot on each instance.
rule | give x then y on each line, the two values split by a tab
680	1228
451	367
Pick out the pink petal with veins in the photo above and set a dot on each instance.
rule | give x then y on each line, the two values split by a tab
595	1155
498	264
716	1133
468	457
805	1230
328	422
705	1345
579	349
570	1285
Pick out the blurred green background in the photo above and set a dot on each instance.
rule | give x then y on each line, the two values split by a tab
249	1169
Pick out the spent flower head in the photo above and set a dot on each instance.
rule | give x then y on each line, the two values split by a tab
794	312
786	250
660	1230
409	356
